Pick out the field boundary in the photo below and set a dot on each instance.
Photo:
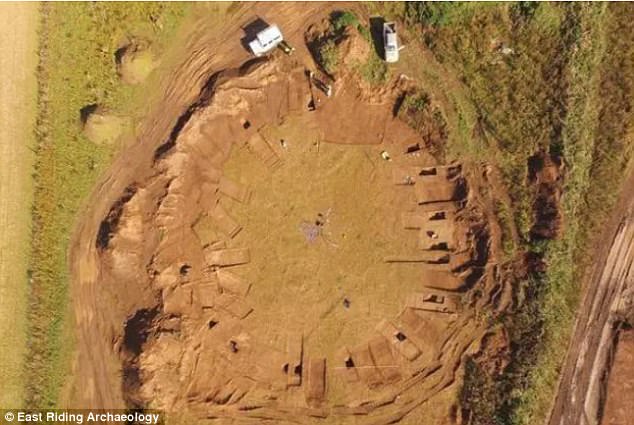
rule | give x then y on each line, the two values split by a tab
561	298
73	74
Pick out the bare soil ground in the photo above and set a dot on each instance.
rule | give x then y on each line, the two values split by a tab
18	60
582	387
619	407
248	259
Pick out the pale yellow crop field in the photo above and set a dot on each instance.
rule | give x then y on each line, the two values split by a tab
18	96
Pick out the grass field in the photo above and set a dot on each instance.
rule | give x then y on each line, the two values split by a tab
18	94
77	47
561	291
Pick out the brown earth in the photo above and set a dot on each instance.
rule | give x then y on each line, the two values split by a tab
619	406
247	259
546	179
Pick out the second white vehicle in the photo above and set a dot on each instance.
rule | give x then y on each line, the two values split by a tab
390	42
266	40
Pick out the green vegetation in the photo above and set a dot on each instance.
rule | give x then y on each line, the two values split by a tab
329	56
531	78
418	101
505	218
586	127
340	21
546	79
513	66
478	392
417	111
613	145
442	14
77	47
374	70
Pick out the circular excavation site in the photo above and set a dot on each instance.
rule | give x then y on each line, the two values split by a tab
295	252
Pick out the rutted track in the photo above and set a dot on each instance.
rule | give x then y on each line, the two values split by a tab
582	385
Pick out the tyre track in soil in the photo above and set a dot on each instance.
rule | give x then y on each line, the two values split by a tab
205	51
582	385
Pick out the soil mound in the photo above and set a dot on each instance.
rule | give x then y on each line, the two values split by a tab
103	127
135	61
338	48
354	48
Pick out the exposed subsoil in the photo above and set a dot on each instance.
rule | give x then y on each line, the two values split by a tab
619	406
251	259
546	177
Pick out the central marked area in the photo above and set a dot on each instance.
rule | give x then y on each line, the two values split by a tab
318	227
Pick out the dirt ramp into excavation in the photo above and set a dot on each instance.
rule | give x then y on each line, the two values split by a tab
180	305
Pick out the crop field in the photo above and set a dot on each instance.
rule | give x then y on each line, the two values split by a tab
18	88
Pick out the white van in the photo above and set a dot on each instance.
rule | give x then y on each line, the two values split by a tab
390	42
266	40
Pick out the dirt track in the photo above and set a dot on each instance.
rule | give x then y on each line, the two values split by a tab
18	90
583	378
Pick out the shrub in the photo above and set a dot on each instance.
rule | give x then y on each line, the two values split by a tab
418	112
374	70
329	56
341	20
